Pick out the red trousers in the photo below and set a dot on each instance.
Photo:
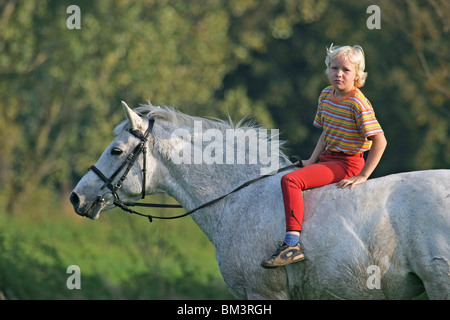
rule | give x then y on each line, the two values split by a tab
332	167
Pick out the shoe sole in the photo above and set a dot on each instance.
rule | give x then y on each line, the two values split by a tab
297	259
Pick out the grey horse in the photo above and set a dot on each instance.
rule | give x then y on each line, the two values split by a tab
388	238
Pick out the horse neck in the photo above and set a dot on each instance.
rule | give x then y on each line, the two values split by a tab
195	184
193	181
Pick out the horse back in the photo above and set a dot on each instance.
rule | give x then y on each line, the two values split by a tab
399	223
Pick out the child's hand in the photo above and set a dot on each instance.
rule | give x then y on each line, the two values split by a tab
308	162
352	182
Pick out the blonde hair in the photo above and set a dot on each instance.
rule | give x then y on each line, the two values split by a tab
355	55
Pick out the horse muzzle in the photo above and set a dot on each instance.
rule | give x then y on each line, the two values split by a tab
90	209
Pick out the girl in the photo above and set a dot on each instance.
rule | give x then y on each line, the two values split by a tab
349	128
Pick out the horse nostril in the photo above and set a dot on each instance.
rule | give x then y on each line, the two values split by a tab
75	200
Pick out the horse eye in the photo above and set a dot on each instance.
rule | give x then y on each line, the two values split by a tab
116	151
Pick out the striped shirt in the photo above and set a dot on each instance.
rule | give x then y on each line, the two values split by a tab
347	122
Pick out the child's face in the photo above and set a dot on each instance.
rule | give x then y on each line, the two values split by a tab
342	75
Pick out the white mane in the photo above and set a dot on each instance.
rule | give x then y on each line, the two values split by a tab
179	119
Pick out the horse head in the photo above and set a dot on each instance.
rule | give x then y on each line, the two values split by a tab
120	174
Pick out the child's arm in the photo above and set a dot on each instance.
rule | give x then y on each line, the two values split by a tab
320	147
376	151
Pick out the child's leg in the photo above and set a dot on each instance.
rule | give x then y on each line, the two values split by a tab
313	176
332	168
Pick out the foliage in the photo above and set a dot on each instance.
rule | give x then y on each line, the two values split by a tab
120	258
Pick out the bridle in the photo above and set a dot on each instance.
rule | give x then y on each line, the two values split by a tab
128	163
132	158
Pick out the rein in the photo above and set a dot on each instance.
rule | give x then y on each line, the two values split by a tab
242	186
131	159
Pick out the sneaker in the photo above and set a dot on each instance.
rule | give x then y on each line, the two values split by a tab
283	256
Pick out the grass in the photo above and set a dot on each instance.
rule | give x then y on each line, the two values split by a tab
120	257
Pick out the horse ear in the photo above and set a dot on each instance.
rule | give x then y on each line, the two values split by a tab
133	117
